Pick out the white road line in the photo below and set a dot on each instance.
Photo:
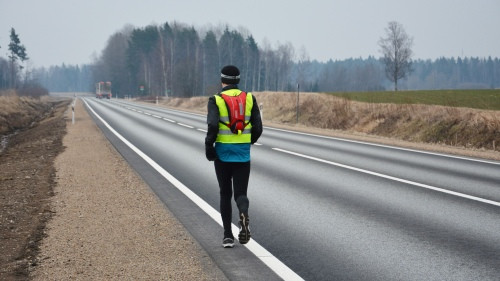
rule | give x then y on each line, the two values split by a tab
156	116
169	120
375	144
146	113
265	256
388	146
184	125
391	178
202	130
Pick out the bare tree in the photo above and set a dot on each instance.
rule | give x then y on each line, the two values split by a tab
396	49
302	67
285	54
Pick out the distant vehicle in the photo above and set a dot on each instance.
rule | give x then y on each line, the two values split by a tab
103	90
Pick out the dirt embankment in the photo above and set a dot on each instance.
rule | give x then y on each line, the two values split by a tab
27	178
22	112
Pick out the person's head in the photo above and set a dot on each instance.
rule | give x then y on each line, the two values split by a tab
230	75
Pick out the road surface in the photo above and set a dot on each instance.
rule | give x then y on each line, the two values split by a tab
321	208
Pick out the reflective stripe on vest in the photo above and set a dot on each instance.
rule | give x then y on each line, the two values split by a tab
225	135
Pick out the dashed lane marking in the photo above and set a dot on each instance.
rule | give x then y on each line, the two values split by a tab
463	195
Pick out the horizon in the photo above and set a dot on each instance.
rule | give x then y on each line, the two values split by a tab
75	33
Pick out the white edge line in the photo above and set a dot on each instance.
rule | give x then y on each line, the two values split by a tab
387	146
202	130
184	125
265	256
392	178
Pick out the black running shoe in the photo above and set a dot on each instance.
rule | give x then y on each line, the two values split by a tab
228	242
244	235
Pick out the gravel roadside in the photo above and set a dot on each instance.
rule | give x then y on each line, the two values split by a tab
107	223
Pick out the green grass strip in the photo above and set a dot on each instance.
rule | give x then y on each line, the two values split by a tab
480	99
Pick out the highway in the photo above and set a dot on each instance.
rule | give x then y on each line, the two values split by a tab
321	208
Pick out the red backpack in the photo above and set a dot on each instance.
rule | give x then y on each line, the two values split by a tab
236	106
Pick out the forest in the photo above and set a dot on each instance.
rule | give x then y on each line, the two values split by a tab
177	60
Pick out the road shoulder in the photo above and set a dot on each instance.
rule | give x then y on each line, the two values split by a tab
108	224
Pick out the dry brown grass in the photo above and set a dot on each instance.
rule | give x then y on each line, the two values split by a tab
453	126
464	127
19	112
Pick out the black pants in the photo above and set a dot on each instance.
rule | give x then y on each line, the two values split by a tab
232	176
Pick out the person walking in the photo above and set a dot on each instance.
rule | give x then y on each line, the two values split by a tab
234	124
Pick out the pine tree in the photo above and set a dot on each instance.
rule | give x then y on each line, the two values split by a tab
17	51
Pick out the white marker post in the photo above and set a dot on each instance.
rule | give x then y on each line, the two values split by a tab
73	112
261	112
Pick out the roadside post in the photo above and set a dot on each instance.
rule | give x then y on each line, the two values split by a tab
298	94
73	112
261	107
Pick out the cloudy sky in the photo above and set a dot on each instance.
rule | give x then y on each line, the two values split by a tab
75	31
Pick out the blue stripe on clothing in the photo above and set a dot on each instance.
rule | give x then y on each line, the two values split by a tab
233	152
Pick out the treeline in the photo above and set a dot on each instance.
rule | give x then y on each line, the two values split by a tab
5	75
368	75
451	73
66	78
179	61
313	76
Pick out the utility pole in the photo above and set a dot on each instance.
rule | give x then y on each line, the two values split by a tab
298	94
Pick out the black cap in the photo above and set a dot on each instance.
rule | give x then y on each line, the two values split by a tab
230	75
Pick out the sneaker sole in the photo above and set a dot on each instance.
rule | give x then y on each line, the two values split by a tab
244	239
244	235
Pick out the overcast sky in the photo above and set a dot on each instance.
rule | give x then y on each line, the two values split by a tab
74	31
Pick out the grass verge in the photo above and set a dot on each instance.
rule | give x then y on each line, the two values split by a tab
422	119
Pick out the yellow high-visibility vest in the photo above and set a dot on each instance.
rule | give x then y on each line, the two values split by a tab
225	135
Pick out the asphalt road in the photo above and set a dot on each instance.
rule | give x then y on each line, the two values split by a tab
324	208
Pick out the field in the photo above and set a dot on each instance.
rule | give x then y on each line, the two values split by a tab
465	119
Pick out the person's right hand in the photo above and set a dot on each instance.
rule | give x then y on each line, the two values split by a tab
210	152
